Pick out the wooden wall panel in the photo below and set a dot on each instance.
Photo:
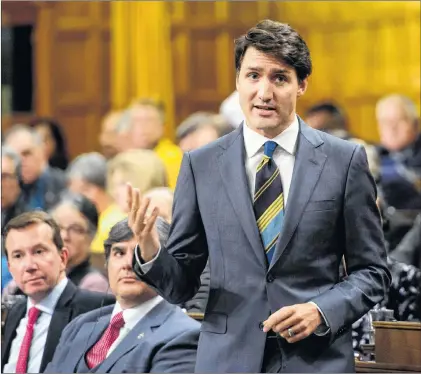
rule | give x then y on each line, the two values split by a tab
360	50
71	65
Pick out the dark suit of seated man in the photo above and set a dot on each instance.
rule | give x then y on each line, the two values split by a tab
37	261
141	333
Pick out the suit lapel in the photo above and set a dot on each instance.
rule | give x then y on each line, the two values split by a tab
92	333
309	163
14	316
60	318
139	334
236	184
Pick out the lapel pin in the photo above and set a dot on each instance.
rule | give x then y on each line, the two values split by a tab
141	335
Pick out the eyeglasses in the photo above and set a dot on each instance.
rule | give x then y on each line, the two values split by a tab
74	229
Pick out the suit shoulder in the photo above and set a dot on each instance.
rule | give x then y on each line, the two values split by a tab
93	299
215	146
180	321
90	316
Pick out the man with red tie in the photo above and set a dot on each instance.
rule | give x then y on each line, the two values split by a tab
37	261
141	333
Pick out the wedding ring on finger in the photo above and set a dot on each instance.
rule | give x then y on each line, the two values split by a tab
291	333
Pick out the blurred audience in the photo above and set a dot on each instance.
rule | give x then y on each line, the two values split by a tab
200	129
161	198
400	151
12	203
408	251
147	124
77	218
87	175
37	260
330	118
108	138
54	140
88	343
231	110
140	167
40	183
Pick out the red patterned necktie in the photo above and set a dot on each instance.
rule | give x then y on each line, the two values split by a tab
98	353
22	364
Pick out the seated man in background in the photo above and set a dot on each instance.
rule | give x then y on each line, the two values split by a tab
200	129
147	124
400	152
11	198
141	333
41	184
37	261
87	175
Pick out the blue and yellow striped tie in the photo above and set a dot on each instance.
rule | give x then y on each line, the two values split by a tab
269	200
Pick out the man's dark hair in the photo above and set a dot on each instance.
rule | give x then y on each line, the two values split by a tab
338	118
120	232
33	218
278	40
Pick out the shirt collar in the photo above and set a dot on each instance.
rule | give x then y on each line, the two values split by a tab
48	303
287	139
133	315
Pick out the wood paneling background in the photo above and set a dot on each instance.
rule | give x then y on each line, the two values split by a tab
360	51
71	66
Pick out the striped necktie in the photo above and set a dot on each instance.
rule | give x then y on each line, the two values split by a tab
269	200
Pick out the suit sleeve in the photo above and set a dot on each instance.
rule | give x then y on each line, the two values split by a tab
368	277
175	272
178	355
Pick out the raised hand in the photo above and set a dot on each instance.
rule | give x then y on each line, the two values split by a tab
142	223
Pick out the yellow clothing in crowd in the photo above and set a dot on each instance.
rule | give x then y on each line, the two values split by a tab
107	219
171	155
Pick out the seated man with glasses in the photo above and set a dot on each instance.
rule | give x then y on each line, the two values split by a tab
37	260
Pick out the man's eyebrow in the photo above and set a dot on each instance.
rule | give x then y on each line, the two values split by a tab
272	71
118	247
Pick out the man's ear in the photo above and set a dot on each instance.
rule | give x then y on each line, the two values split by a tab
302	87
64	255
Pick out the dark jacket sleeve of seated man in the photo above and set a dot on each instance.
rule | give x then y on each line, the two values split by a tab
164	341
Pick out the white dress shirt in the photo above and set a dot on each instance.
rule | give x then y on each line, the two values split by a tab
284	155
46	306
131	317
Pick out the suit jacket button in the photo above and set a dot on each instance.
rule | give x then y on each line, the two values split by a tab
270	278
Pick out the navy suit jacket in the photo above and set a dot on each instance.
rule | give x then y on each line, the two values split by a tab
165	340
72	303
331	212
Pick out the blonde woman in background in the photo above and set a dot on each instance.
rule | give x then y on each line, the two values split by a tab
142	168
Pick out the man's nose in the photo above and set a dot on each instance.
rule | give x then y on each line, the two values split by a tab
265	90
30	263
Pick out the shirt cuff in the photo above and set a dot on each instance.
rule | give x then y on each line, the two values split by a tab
323	329
145	266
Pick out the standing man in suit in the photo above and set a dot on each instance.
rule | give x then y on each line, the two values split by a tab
275	205
37	261
141	333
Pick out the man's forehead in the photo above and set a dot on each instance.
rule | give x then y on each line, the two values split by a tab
254	59
33	233
125	244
